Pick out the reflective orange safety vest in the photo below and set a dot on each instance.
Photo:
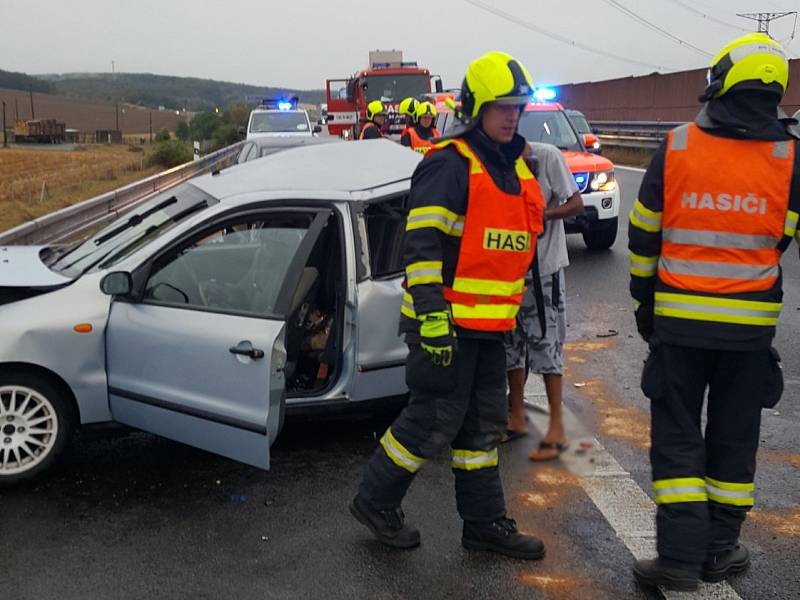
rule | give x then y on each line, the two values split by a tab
421	145
726	210
367	125
497	246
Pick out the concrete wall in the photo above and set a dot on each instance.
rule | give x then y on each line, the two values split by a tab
656	97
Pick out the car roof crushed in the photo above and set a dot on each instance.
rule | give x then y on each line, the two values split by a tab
346	167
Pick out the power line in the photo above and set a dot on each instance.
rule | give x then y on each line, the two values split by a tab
663	32
707	17
765	18
559	38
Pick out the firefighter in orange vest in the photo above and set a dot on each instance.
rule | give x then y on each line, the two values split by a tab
475	213
717	208
421	137
376	117
408	108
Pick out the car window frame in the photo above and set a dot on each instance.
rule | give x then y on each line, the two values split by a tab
142	274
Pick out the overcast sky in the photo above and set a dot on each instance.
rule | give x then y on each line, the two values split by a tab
300	43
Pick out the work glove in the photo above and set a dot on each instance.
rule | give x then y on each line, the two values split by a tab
437	337
644	321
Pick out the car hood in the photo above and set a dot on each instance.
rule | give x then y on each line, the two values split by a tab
585	161
22	266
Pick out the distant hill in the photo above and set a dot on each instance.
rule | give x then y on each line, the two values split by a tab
146	89
20	81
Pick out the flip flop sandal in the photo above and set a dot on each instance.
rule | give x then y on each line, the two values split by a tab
559	448
511	435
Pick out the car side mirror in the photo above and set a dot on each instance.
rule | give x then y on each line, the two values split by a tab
317	129
242	131
438	86
591	142
118	283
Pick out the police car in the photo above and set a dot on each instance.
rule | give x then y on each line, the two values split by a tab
280	118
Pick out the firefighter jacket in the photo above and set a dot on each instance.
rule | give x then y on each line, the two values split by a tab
460	252
715	213
370	131
419	139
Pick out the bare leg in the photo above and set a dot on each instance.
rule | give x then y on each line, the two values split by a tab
555	430
516	384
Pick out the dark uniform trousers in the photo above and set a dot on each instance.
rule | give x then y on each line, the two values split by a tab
471	418
704	487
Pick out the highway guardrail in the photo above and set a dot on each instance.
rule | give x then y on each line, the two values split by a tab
73	220
634	134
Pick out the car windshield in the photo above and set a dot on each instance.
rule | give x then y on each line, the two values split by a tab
549	127
394	88
581	124
283	122
130	232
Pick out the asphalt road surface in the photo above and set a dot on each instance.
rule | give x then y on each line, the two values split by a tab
129	515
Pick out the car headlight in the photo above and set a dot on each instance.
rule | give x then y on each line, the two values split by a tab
603	181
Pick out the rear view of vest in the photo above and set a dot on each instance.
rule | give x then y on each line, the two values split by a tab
726	211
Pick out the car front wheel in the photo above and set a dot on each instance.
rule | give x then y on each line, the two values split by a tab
601	237
35	424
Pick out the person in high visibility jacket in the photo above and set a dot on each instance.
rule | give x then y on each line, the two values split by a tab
376	117
422	136
475	211
408	108
717	208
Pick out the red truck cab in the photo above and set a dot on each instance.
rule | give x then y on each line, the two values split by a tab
390	83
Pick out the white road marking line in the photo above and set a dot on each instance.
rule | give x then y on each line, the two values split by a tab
634	169
625	506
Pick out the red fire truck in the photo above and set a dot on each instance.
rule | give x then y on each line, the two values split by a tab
388	79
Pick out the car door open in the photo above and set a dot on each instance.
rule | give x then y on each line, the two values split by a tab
199	357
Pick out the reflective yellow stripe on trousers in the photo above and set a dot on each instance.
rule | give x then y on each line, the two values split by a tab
733	494
399	454
472	460
718	310
682	489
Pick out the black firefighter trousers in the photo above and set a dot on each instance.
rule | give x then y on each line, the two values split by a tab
704	487
470	416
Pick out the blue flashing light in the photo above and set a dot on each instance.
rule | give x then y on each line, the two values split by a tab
283	105
544	94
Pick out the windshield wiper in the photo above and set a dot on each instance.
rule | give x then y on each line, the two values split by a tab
135	220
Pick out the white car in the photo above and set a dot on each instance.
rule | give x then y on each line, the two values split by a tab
268	122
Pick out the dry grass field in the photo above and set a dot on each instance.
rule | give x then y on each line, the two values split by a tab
66	176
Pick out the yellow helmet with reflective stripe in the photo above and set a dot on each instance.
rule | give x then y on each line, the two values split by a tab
408	107
375	108
425	109
755	60
494	77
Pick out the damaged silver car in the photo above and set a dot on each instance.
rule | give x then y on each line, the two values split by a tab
206	313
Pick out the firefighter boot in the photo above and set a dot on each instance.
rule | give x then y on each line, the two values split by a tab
501	536
386	525
719	565
667	573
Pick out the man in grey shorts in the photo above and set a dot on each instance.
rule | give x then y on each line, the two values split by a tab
526	350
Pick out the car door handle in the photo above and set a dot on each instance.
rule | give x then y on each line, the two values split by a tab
245	348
